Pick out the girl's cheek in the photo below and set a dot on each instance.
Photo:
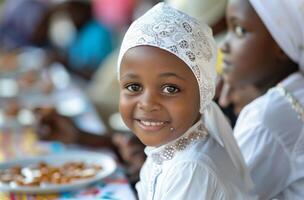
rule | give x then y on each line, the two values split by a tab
126	107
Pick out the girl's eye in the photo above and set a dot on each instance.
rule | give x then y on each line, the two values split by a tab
134	87
239	31
169	89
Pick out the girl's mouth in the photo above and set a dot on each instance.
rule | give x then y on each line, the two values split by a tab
151	125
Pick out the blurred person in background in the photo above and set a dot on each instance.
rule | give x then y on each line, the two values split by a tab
264	49
212	12
115	14
75	37
19	22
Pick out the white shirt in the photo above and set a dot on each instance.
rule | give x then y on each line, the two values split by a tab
201	171
270	134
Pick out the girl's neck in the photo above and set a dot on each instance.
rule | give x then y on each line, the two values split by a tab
282	73
190	129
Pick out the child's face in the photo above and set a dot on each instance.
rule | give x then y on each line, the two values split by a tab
157	92
249	50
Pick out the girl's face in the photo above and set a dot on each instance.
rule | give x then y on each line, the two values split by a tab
159	95
250	53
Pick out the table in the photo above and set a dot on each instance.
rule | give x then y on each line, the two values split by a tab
14	145
69	99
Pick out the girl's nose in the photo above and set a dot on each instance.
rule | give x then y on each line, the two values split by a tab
149	102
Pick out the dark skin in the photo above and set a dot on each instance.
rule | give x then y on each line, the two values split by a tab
157	87
53	126
251	56
238	97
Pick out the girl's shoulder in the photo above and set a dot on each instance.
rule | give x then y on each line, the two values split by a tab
208	155
280	107
276	100
210	165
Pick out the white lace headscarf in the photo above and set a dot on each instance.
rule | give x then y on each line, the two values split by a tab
284	20
190	40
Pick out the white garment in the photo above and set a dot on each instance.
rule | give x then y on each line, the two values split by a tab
202	171
270	134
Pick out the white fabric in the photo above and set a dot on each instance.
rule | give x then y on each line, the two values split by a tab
284	20
271	137
210	11
220	129
195	173
191	41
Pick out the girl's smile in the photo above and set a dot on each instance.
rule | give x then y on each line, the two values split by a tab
159	92
151	125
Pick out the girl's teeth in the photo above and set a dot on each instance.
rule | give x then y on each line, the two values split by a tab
146	123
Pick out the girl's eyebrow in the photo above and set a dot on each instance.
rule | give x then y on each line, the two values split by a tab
162	75
168	74
129	76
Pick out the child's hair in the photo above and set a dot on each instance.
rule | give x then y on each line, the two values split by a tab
191	41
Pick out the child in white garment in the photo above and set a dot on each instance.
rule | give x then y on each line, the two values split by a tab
264	48
167	80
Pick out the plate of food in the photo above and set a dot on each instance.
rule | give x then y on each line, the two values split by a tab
55	173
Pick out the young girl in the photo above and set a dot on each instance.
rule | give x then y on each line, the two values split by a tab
167	80
264	48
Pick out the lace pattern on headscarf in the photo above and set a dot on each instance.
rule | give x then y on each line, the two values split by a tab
182	36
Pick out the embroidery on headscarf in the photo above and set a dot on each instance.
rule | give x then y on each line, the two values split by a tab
181	35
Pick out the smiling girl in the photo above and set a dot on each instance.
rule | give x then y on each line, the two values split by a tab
167	80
